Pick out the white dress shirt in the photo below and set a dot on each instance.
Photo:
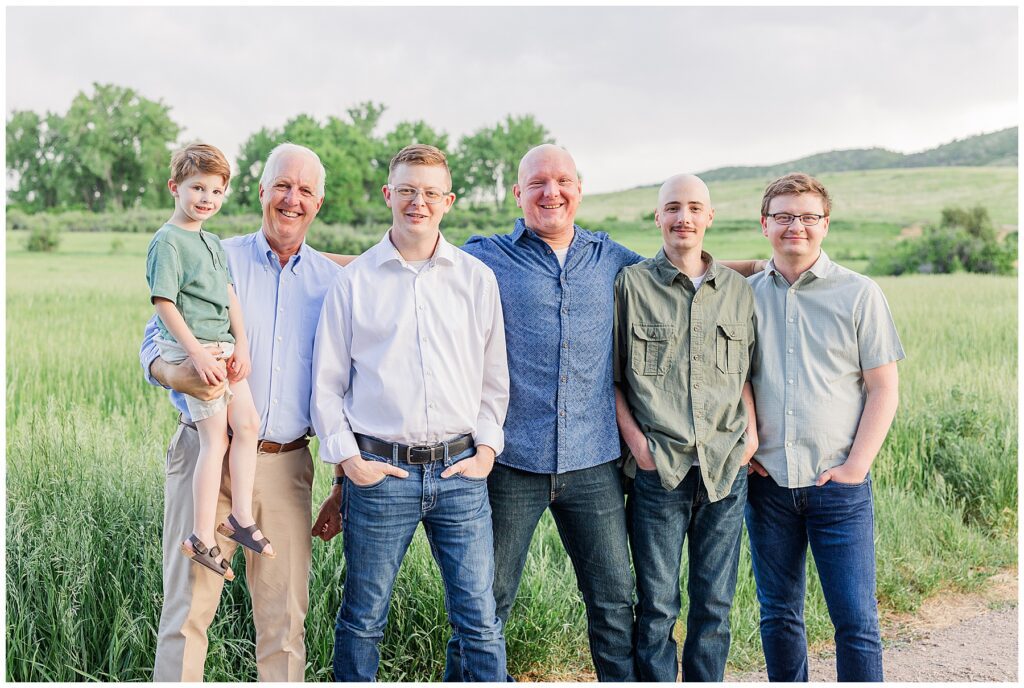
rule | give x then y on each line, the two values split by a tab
410	356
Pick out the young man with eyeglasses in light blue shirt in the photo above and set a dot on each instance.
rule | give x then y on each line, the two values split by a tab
825	390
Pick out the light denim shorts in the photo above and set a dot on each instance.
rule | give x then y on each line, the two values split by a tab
172	352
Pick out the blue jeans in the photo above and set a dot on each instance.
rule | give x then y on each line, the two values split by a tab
589	512
837	520
379	523
660	521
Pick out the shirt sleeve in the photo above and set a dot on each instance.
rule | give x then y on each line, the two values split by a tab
494	394
149	351
163	271
620	330
877	340
332	374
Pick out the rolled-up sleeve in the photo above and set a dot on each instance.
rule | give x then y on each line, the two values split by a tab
149	351
332	373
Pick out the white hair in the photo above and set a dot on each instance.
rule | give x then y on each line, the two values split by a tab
283	150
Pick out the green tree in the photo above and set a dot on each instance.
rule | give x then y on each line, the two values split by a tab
117	147
489	158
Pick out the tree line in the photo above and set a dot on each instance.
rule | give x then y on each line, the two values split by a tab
111	149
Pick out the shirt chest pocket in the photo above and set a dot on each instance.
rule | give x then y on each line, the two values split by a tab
652	348
730	347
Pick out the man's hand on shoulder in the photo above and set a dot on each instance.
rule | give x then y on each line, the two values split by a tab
186	379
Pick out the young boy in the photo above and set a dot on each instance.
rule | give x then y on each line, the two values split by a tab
410	390
200	319
684	331
826	389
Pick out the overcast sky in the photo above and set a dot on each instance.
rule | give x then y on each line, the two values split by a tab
635	94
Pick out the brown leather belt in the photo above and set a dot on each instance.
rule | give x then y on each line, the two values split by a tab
264	446
268	447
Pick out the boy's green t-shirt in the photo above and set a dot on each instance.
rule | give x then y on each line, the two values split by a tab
191	270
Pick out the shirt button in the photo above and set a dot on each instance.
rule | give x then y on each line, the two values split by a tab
277	369
562	413
789	381
565	344
278	339
696	385
789	444
789	413
423	339
431	404
275	401
281	309
696	357
565	311
565	378
792	320
793	290
790	350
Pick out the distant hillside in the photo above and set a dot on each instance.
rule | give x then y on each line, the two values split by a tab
998	149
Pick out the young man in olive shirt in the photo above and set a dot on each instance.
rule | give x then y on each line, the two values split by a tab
684	334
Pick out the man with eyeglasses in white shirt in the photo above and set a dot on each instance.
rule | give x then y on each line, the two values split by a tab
409	398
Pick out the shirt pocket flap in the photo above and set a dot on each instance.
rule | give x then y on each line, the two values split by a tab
653	333
733	330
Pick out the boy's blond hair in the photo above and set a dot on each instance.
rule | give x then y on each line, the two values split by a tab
199	158
792	185
420	154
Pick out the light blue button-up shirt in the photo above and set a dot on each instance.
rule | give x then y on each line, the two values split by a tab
815	339
558	332
281	307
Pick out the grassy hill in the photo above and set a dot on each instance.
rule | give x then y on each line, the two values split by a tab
901	196
998	148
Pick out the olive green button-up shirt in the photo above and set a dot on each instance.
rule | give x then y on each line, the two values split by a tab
681	359
815	339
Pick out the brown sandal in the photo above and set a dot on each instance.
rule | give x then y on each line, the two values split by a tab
243	536
197	551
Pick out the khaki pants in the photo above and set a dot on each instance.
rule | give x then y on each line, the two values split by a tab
279	587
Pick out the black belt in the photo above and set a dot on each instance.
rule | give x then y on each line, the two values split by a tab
419	454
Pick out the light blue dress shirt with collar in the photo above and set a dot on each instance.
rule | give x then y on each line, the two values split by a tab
281	308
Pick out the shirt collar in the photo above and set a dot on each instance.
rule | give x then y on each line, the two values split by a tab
444	252
820	270
521	230
666	272
266	253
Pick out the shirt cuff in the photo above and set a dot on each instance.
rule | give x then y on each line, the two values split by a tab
491	434
336	448
146	358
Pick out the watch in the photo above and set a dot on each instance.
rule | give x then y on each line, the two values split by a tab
338	480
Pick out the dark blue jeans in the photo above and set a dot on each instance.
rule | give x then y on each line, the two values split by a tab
837	521
660	521
589	512
379	523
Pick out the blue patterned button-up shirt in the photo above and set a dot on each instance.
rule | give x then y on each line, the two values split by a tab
558	332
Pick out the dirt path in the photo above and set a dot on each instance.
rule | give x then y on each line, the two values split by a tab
952	637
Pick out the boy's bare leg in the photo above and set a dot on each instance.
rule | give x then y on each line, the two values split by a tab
245	428
213	443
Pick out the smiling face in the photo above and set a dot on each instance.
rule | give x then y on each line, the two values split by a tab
415	220
290	202
549	191
684	213
196	199
796	244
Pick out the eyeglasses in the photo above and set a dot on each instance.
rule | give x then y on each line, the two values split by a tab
786	219
408	193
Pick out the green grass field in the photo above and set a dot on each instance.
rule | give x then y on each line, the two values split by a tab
86	439
904	197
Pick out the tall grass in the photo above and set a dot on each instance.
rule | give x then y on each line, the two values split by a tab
86	439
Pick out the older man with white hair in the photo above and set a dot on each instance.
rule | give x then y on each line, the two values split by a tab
281	283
